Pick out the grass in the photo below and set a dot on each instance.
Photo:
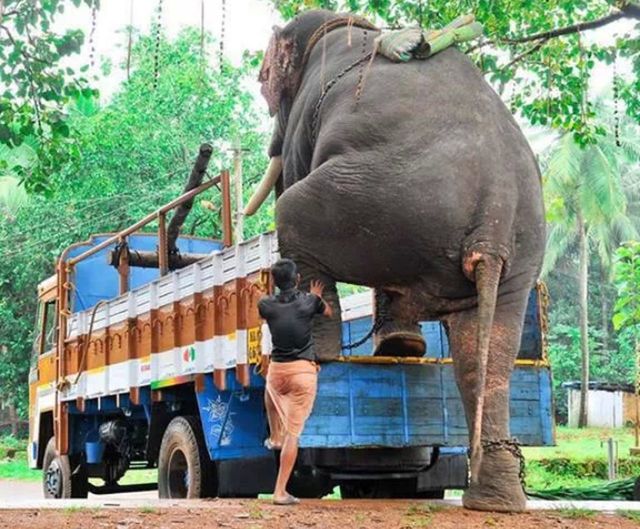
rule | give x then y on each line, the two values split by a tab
586	443
420	515
13	460
579	459
576	514
630	515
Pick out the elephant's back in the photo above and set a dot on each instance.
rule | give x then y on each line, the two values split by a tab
428	155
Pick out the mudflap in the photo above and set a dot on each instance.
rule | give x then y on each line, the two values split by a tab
449	471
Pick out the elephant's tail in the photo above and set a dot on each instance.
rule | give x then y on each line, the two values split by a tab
488	270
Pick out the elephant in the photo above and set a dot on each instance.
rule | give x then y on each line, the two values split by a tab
413	179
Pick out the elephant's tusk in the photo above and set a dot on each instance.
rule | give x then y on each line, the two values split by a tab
265	186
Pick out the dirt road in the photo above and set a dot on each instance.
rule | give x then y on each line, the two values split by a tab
312	514
18	491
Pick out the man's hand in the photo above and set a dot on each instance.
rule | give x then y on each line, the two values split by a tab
317	288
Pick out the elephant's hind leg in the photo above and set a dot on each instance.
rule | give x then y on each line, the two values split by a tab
497	486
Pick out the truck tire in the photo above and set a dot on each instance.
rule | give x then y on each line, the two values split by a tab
184	467
60	478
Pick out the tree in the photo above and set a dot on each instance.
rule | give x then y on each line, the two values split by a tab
587	208
133	155
535	53
627	308
34	86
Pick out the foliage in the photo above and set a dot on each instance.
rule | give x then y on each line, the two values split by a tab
133	155
627	280
627	307
585	182
546	79
35	87
564	356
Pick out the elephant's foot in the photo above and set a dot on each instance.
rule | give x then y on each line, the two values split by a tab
397	335
400	343
498	487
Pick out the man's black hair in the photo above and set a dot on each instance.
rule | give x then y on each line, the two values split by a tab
285	274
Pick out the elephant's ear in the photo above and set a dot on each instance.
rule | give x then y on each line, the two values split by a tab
277	73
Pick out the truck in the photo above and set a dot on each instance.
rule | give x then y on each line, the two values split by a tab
151	354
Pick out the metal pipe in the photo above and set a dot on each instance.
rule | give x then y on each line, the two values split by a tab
146	220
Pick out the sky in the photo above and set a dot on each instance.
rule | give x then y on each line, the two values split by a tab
248	26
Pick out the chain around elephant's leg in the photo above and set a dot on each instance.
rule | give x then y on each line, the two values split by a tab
497	485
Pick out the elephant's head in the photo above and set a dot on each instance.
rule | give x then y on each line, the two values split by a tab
282	67
280	75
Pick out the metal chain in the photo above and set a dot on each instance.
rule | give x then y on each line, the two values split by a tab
329	86
616	101
223	24
382	316
365	34
92	43
543	315
156	57
513	447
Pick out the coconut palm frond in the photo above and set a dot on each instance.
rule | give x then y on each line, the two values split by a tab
602	196
563	171
560	238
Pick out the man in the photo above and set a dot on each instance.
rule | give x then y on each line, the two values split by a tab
293	373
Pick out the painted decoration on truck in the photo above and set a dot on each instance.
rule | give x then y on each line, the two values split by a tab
220	420
254	339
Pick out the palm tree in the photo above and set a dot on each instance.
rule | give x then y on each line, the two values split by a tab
587	211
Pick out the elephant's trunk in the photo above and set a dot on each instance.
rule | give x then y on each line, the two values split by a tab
487	277
265	186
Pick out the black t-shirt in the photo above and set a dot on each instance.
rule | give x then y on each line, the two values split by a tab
289	316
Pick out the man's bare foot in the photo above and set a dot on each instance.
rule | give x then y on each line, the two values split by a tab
287	499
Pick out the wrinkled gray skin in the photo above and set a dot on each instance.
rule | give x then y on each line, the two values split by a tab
407	190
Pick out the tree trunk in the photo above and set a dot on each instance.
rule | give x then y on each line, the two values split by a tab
604	308
13	419
584	321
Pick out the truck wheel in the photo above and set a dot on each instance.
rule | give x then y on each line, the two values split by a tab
59	477
184	467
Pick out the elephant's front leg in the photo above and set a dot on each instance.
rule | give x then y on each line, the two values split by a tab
498	485
397	330
327	332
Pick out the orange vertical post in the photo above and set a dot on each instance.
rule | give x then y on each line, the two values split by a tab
227	228
60	409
